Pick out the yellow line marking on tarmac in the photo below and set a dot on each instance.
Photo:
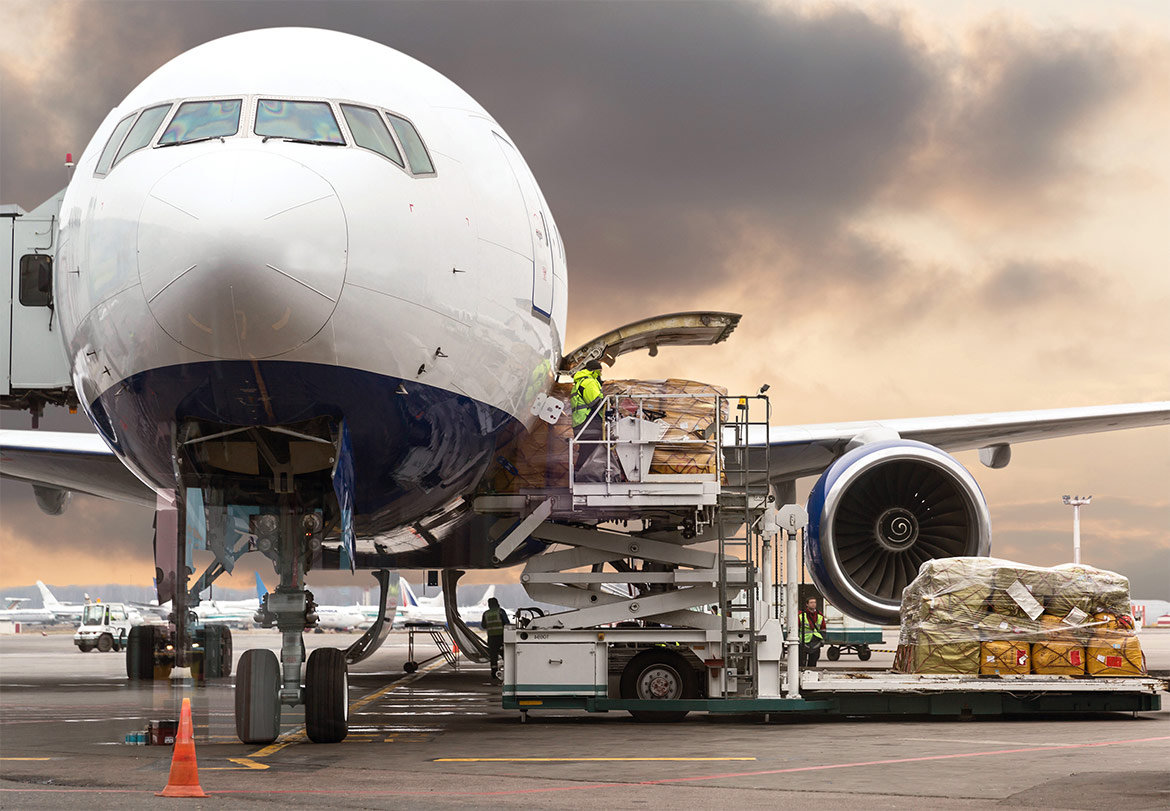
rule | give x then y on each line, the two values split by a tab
573	759
245	765
25	758
299	735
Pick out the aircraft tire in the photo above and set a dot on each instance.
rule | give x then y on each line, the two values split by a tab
327	696
258	697
672	673
140	653
105	643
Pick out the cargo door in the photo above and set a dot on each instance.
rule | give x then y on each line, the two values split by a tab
675	329
542	251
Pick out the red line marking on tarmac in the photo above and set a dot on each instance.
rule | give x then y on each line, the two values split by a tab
582	787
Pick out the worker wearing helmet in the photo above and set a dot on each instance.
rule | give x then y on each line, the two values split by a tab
584	404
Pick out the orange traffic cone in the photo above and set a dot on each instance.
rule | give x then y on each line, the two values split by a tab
184	779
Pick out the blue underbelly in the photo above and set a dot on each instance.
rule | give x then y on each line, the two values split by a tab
414	452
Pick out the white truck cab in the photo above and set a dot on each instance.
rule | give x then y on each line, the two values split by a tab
105	626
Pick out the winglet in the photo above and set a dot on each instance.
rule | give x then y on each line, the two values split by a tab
261	589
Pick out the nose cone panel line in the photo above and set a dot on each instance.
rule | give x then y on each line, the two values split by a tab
242	254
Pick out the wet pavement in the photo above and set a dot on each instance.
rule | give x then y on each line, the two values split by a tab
440	738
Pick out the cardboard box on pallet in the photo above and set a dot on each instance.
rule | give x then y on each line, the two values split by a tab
539	458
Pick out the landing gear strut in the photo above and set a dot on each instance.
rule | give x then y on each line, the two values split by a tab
263	686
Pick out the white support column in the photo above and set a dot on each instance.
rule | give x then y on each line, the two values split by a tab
793	518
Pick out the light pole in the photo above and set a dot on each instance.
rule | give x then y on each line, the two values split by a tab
1076	502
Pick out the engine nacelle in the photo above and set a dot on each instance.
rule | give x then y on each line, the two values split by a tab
882	510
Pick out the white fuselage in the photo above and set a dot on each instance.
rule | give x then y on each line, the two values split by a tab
244	280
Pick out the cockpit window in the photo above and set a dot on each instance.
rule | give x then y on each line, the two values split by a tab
370	131
107	158
311	121
198	120
142	131
416	153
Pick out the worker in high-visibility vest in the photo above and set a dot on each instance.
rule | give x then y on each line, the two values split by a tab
493	622
812	633
584	404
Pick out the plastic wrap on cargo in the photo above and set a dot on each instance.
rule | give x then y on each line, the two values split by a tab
539	458
992	617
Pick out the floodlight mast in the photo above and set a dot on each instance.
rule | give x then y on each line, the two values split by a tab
1076	502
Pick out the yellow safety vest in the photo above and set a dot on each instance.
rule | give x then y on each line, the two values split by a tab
807	632
586	393
493	622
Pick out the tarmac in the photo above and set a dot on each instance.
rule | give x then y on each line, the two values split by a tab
439	739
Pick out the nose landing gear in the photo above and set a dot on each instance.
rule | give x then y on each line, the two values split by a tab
264	685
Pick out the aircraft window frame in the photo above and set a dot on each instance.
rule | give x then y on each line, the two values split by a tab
143	142
244	102
392	117
329	104
399	157
114	144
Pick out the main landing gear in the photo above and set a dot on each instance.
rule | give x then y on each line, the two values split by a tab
263	684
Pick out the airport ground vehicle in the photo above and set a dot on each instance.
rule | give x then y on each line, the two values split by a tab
704	630
150	652
104	627
845	635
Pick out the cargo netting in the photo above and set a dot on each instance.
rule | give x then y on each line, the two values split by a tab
990	617
539	458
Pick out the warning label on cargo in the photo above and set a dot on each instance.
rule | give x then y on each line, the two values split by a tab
1024	599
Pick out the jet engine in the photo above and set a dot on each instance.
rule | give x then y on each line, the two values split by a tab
881	511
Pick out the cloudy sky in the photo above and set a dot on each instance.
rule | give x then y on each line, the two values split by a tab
919	208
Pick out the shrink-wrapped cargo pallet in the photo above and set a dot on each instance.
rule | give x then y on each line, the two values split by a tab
1018	619
539	458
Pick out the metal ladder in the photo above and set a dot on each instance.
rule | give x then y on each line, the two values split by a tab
742	501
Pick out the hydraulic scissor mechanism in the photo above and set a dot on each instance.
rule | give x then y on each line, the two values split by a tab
649	580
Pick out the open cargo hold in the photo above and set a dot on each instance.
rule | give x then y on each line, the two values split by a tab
539	458
983	616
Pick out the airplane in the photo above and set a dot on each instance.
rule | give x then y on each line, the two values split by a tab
17	612
327	290
62	612
234	613
415	610
342	617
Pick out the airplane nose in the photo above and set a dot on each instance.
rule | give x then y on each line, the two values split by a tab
242	254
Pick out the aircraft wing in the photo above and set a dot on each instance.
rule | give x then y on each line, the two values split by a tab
82	463
806	450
